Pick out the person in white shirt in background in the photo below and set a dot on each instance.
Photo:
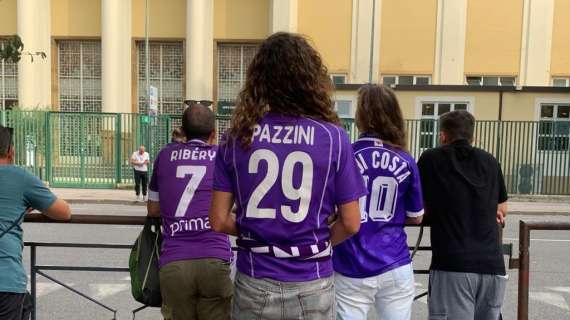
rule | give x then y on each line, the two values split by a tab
140	160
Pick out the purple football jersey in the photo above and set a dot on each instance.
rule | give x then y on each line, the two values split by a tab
182	184
392	178
286	185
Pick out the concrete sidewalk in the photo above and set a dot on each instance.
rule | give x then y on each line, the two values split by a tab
102	196
518	205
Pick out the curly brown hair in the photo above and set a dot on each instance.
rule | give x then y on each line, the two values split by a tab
287	77
379	113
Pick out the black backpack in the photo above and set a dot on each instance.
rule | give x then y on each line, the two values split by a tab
143	264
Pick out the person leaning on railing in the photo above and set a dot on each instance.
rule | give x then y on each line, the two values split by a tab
20	192
465	201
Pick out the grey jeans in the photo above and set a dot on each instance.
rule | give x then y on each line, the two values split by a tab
458	295
270	299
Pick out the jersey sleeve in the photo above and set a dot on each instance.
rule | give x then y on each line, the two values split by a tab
349	184
37	195
413	200
222	169
153	191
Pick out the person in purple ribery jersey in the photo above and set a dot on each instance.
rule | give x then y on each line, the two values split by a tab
195	261
288	166
373	268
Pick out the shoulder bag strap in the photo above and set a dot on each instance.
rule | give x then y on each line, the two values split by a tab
15	223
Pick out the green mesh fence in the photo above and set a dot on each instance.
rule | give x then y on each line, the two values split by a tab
92	150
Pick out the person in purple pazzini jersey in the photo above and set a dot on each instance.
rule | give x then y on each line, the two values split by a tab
373	268
194	261
288	166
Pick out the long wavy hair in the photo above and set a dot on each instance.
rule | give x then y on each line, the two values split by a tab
378	113
287	77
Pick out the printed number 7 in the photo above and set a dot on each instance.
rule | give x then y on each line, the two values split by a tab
198	173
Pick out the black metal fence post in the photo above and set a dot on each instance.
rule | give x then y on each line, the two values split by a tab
33	279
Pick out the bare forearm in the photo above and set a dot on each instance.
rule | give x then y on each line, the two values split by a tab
59	210
153	209
503	208
229	226
339	233
414	220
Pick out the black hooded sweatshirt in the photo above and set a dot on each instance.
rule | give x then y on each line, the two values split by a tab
462	187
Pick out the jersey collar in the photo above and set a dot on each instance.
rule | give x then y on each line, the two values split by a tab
370	137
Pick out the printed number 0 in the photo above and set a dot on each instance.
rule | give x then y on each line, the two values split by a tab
302	193
198	173
382	200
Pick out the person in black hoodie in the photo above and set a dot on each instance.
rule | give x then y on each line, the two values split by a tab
465	203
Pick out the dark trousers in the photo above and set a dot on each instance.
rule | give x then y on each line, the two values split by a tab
196	289
141	179
15	306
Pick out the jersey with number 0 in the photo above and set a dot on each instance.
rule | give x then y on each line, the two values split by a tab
286	184
182	184
394	193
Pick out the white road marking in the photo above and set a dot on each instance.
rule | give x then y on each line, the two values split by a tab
553	299
45	288
559	289
104	290
540	240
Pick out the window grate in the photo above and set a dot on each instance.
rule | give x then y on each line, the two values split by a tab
554	127
8	83
79	73
166	74
233	61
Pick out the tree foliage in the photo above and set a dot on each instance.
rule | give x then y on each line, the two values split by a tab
12	49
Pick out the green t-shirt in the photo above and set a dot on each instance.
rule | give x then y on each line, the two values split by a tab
18	190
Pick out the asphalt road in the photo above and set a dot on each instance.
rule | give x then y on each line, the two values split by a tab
550	271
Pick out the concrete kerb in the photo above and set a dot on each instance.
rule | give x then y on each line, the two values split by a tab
539	198
106	201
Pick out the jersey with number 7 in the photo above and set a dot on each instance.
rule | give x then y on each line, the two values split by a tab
182	184
286	184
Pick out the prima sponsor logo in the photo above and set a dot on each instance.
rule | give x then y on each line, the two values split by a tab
190	225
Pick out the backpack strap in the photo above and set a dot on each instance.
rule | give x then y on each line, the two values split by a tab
14	224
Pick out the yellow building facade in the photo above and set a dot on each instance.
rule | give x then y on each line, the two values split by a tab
502	60
200	49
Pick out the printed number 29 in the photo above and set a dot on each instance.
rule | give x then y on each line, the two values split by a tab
382	200
302	193
198	173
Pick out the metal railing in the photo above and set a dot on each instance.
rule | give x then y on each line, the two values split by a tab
39	269
523	261
93	149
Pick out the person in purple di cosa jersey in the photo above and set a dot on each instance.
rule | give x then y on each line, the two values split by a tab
373	268
288	166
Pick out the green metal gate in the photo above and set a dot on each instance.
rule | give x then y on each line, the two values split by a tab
83	150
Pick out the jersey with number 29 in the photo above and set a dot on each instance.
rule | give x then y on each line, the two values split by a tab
392	178
286	184
182	183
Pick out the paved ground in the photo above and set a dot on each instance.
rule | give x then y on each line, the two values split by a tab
550	205
550	275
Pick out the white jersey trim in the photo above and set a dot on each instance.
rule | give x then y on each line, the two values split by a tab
373	140
339	150
416	214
